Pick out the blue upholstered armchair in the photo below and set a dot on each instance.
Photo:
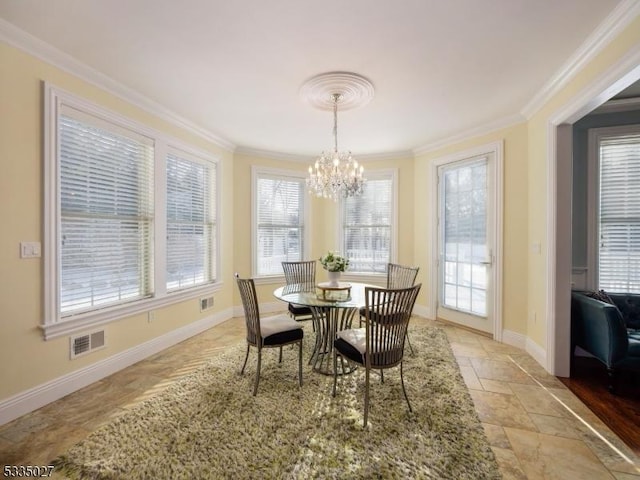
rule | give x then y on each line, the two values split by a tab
607	327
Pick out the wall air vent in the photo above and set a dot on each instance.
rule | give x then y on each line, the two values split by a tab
86	343
206	303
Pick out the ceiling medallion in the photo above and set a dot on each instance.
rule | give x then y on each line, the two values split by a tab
355	89
336	174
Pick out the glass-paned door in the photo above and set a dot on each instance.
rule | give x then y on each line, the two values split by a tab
465	244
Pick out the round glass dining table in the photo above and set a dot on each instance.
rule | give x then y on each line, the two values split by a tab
332	310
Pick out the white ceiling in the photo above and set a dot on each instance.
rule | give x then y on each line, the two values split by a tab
234	68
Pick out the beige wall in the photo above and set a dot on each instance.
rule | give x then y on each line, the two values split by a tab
27	360
514	221
626	43
242	218
526	147
324	214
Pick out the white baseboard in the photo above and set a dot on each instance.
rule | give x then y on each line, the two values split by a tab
538	353
39	396
270	307
422	311
273	307
525	343
514	339
265	309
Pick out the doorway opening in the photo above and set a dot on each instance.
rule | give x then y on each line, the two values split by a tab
559	206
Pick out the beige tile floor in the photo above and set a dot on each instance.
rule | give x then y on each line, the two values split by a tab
537	428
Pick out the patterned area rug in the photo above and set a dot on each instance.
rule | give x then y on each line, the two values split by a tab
208	425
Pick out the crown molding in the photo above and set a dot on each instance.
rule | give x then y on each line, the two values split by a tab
615	22
478	131
290	157
26	42
372	157
611	27
620	105
271	155
605	86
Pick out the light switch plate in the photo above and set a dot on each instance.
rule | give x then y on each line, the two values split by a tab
30	249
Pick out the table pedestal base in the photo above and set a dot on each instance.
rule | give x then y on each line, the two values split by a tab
328	321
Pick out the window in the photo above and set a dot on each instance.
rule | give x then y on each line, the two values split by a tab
619	209
106	213
110	249
190	221
278	220
368	225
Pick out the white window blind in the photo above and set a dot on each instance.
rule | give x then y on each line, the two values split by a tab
619	213
191	222
130	217
279	221
367	225
106	213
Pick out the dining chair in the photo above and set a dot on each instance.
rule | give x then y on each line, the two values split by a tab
380	344
303	275
270	332
398	276
401	276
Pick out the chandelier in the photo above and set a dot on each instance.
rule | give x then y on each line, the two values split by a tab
337	174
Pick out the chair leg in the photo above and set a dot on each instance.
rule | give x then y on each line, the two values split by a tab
246	357
381	376
300	363
403	389
255	387
342	364
366	395
409	342
280	357
335	371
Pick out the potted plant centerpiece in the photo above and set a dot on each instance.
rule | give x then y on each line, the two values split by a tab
334	264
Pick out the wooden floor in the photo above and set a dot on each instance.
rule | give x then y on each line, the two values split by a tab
620	412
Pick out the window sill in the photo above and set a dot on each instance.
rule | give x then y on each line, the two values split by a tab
266	280
372	278
90	320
